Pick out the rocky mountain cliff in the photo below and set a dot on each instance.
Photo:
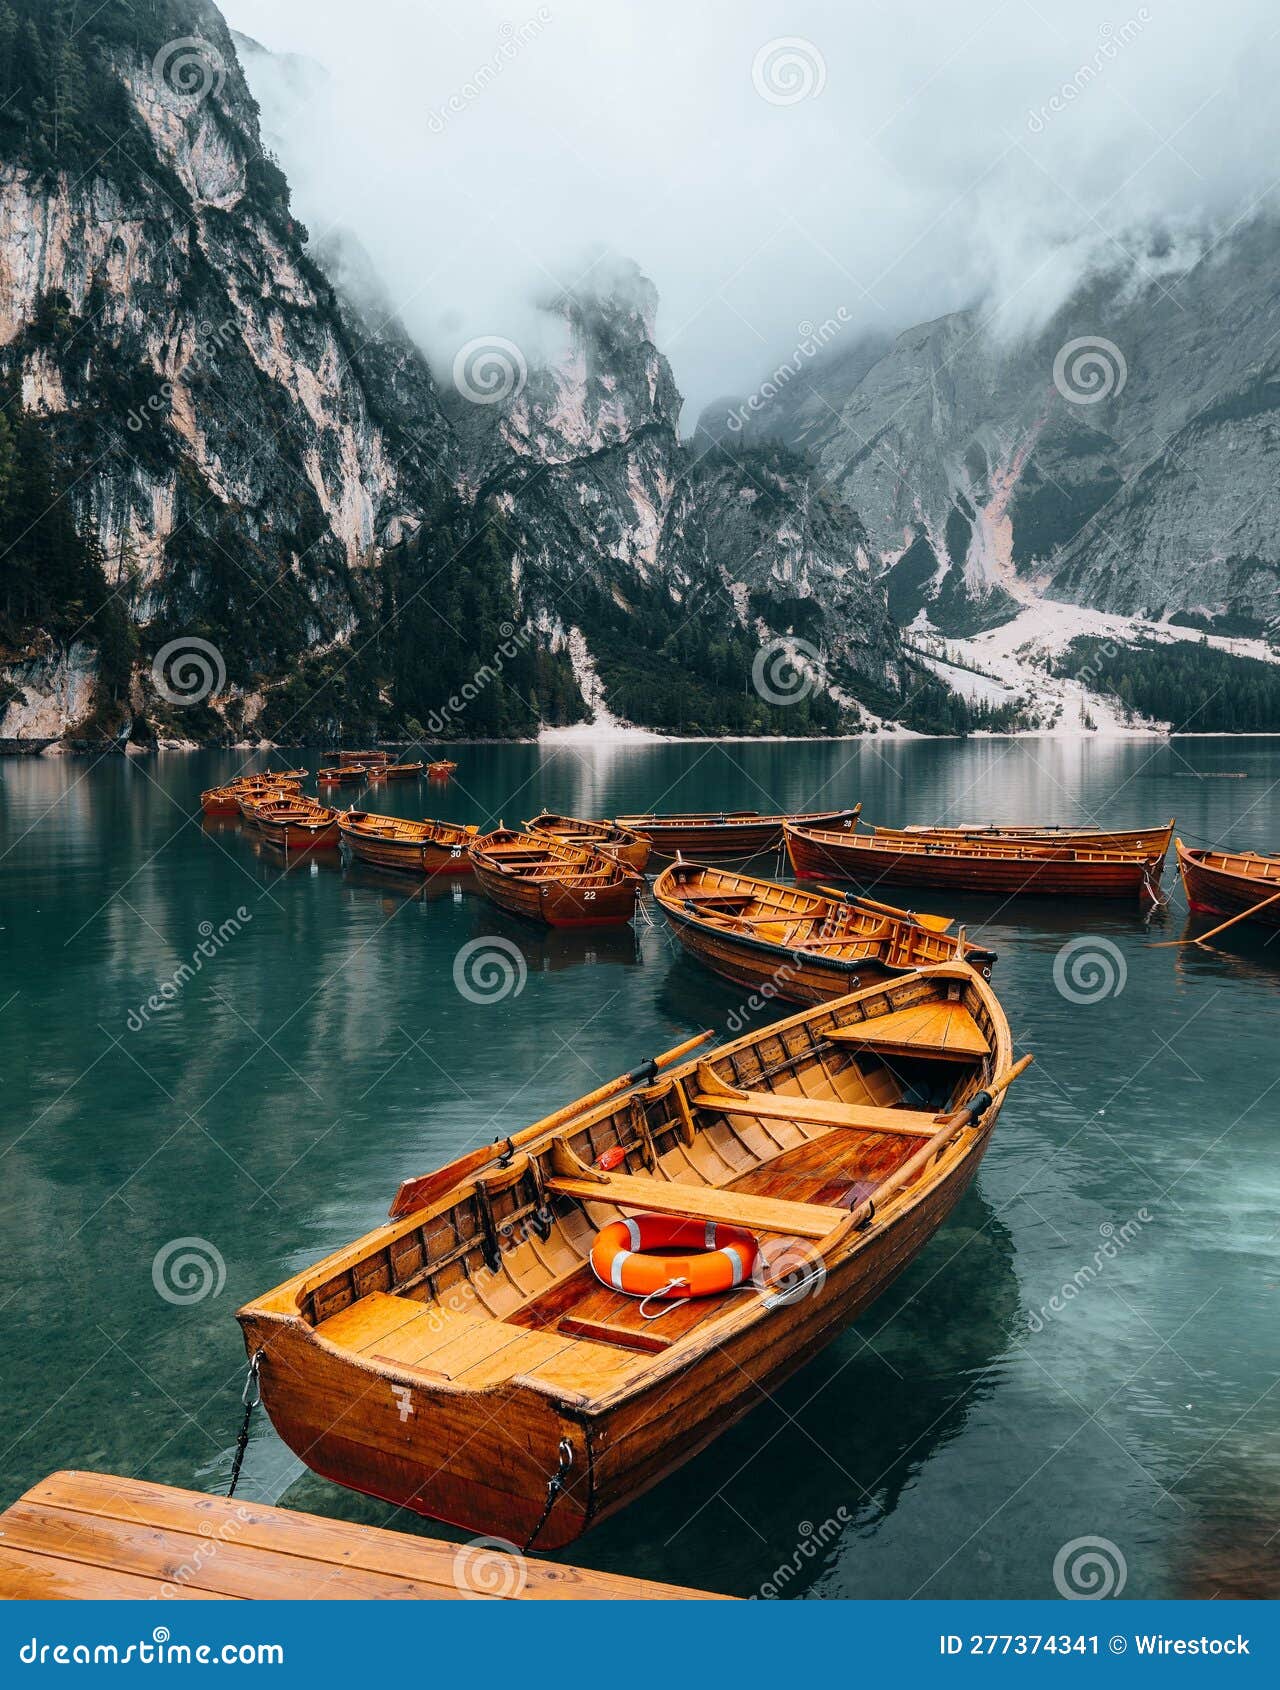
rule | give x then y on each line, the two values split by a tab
272	479
1123	457
663	570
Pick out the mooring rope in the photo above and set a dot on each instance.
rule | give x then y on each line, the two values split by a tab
555	1484
251	1396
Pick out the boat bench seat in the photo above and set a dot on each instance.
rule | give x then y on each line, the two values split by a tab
702	1202
947	1030
820	1112
718	900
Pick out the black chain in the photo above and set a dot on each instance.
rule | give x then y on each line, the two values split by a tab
251	1396
555	1484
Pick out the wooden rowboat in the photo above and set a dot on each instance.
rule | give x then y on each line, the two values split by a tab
220	801
225	800
249	803
1232	882
424	847
464	1362
788	943
441	770
251	799
362	759
1007	866
1143	840
610	837
402	771
743	833
537	876
298	826
346	774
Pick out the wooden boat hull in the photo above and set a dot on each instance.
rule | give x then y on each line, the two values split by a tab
544	879
403	771
724	837
487	1471
1038	872
793	974
1228	882
559	904
406	1367
294	835
446	855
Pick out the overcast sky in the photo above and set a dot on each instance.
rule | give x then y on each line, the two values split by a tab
894	158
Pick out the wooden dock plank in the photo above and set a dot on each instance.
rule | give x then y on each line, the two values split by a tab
93	1535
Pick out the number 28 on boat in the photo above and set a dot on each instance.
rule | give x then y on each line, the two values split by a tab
509	1354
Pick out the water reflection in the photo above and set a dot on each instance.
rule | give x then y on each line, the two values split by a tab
273	1105
852	1430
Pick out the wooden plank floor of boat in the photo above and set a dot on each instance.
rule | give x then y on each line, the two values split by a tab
93	1536
829	1168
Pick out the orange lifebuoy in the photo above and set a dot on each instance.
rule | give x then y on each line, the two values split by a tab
725	1257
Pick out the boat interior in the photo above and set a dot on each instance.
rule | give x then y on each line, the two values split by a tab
541	857
782	1133
574	831
798	920
971	846
401	829
1254	865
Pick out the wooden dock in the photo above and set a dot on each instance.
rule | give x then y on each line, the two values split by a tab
92	1536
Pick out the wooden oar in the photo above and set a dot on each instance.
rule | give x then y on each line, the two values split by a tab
1167	944
417	1193
968	1114
927	921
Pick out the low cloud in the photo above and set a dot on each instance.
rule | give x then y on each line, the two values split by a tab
766	165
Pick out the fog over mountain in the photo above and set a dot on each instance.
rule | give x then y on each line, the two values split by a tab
770	167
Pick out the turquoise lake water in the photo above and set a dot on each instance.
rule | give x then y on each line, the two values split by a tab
978	1420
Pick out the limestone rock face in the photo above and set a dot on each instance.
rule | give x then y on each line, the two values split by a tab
1123	457
268	459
